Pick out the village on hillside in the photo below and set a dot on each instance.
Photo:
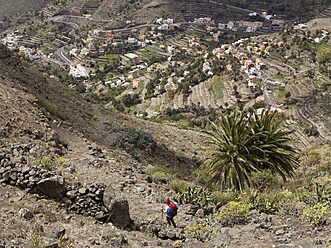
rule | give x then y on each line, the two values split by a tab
145	61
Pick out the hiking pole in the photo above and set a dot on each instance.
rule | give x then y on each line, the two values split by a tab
162	209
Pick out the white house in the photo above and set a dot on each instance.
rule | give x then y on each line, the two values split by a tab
163	27
132	40
221	26
170	21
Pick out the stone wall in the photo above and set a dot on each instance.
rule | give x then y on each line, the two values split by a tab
78	198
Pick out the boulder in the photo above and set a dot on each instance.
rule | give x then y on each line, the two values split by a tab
53	187
50	243
55	232
118	208
178	244
108	196
304	243
119	212
221	241
171	234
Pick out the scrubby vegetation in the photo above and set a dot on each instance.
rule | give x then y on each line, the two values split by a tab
132	140
233	213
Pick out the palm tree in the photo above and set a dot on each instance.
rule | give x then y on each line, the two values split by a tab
242	145
277	154
230	161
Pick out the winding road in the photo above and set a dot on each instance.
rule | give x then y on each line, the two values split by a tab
62	55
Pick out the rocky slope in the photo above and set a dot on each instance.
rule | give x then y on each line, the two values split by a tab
64	183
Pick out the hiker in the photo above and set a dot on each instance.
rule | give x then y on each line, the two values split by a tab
171	211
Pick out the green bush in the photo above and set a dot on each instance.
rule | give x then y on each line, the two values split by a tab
160	174
221	197
112	128
133	140
202	177
49	163
178	185
314	215
233	213
316	193
264	180
201	230
194	195
263	203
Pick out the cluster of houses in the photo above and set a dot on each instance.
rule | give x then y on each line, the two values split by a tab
12	40
249	66
235	26
320	39
166	24
206	68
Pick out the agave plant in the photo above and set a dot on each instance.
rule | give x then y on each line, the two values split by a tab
195	195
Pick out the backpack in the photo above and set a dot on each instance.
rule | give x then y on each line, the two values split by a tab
173	210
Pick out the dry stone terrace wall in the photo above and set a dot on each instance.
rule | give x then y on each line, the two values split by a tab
77	198
97	200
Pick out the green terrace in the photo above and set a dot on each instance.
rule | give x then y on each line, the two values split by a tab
323	51
109	59
156	47
148	53
218	87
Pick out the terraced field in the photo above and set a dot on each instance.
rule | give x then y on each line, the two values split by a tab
301	117
325	14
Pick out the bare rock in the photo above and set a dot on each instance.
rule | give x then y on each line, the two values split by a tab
55	232
191	209
304	243
118	208
171	234
108	196
82	191
53	187
119	212
25	213
50	243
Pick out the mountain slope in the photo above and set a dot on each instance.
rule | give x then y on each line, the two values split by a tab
60	104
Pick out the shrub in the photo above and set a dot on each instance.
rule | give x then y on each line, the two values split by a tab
49	163
316	193
52	110
263	203
314	215
179	185
202	177
134	139
194	195
201	230
233	213
112	128
266	205
221	197
291	209
160	174
264	180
